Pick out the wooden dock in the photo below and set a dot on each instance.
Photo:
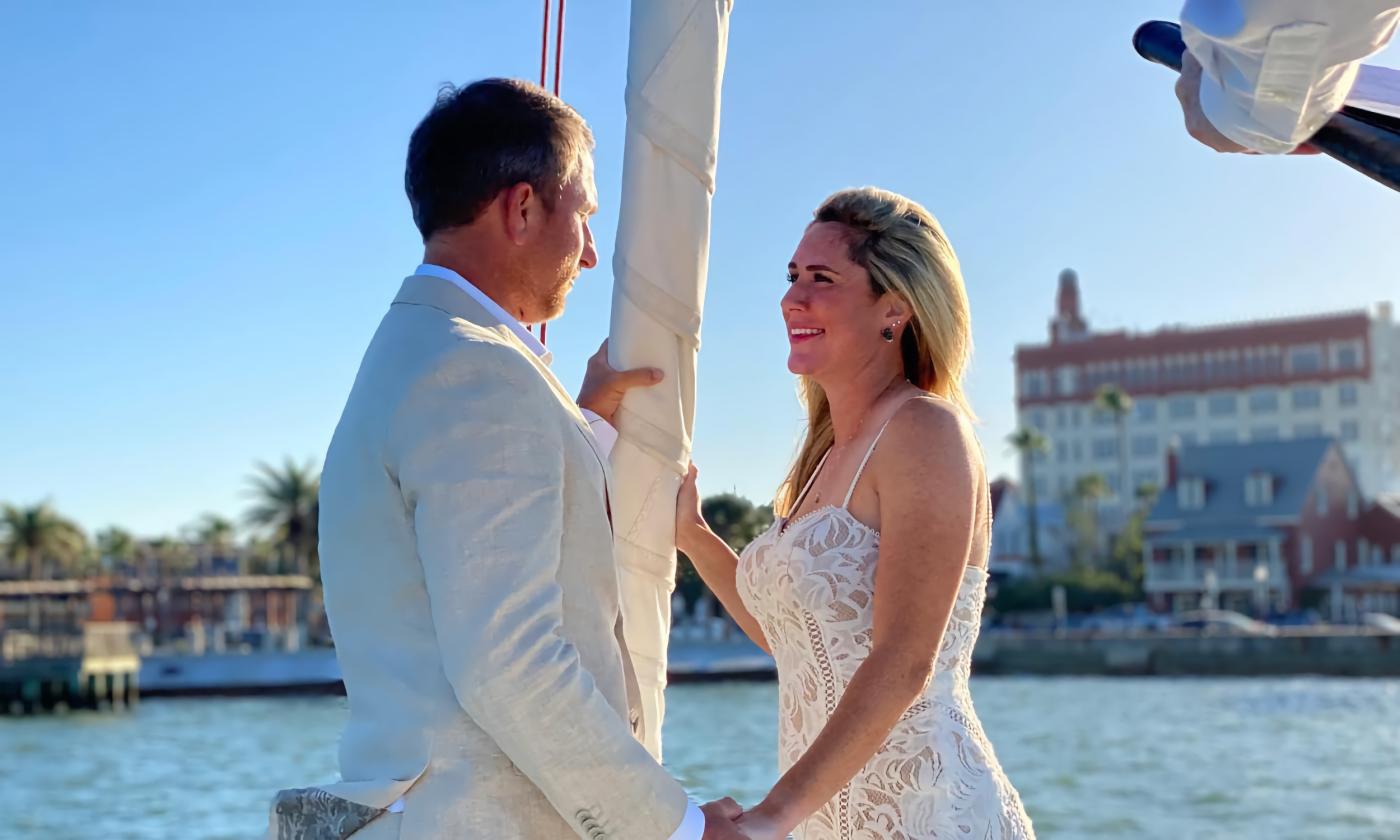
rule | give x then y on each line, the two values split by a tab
96	667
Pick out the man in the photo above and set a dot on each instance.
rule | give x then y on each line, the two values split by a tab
465	544
1264	75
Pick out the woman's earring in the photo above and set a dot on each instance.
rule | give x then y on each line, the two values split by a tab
888	332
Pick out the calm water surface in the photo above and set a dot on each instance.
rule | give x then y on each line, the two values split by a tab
1114	758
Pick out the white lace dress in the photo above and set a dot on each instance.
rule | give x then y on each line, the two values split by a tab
810	583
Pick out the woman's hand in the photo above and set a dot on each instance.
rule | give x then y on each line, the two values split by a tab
604	386
758	825
690	522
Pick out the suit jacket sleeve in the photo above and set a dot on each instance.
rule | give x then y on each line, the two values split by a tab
481	469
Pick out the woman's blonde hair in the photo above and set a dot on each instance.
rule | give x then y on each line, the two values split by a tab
903	248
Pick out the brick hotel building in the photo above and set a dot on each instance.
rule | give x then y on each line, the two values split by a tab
1334	375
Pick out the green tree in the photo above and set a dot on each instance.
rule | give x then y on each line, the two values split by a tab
1085	590
215	532
735	520
286	505
170	556
213	536
1082	516
1126	560
1030	443
39	542
117	548
1114	401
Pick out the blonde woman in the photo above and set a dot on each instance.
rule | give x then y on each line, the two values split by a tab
868	588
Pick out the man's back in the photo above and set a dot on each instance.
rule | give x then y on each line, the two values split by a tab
450	428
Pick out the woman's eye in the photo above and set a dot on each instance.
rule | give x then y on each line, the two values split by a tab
791	278
821	278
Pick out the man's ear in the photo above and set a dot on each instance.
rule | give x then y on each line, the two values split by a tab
521	208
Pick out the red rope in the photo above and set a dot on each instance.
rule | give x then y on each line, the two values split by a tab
559	49
544	45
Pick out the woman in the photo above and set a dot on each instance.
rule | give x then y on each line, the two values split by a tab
868	588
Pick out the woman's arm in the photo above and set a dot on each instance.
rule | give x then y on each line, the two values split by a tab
713	558
926	475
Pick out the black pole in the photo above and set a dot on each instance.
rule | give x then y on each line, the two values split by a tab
1364	140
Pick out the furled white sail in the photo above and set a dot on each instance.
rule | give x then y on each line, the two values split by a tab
674	68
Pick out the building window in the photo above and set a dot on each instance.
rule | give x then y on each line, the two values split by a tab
1191	493
1105	447
1076	417
1305	359
1307	398
1060	417
1363	552
1067	378
1076	451
1224	436
1222	405
1259	489
1305	555
1115	484
1264	433
1346	394
1395	554
1037	421
1321	501
1144	446
1033	384
1307	430
1351	430
1353	504
1263	402
1061	452
1346	356
1145	410
1187	438
1339	555
1102	418
1181	408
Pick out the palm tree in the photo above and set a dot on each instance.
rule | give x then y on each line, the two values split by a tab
1115	401
214	536
1084	502
38	538
1029	442
116	547
171	556
215	532
285	502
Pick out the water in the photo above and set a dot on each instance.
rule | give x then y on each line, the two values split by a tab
1093	758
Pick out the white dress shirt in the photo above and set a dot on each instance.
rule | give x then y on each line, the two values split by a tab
692	825
1274	71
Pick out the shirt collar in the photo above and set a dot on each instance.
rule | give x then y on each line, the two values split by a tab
528	338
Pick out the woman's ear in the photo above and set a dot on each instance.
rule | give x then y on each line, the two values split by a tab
896	308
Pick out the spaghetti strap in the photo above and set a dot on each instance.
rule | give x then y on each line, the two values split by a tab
797	503
871	451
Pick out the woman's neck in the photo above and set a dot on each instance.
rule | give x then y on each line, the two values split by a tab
851	400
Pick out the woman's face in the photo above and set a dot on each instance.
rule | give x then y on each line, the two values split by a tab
833	316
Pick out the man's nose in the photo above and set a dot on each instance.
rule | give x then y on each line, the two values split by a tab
589	257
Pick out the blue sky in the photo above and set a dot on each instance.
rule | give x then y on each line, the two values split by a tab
202	217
